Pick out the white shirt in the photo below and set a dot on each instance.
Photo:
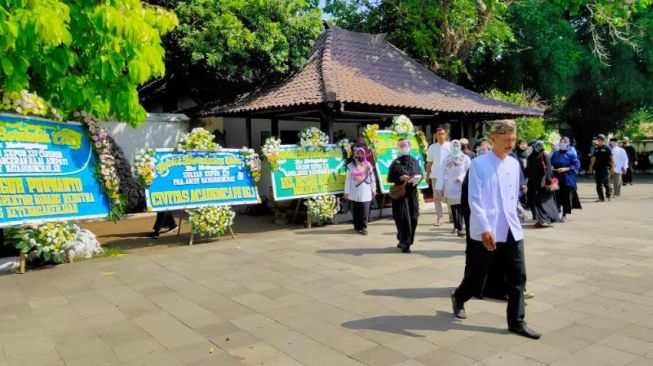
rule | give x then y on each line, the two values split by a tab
435	154
493	197
362	192
620	160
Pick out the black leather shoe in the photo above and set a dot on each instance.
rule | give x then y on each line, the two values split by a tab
405	248
525	331
458	309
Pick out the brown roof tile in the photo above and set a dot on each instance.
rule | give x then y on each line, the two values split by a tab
363	68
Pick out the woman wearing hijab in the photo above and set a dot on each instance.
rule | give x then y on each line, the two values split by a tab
405	170
450	181
565	167
360	189
541	198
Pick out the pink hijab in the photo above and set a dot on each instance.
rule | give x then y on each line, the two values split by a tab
359	172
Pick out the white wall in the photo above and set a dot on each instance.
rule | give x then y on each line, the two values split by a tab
158	131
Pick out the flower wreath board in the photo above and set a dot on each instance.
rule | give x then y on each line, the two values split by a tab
48	173
312	170
206	183
385	151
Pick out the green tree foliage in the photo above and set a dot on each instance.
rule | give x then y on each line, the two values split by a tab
83	55
638	125
528	128
448	36
223	48
590	59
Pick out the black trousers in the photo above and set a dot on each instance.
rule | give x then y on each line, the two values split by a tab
602	177
164	219
628	176
458	219
510	257
360	211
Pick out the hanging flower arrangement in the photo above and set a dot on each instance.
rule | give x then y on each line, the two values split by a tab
211	221
198	139
143	167
28	104
371	136
105	168
402	124
322	207
421	140
312	137
345	145
252	162
270	152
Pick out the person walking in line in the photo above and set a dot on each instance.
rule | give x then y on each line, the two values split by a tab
464	145
495	228
405	173
620	166
565	168
540	187
603	164
164	219
449	183
632	161
434	156
360	189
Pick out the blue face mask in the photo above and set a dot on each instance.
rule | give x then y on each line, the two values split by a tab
455	150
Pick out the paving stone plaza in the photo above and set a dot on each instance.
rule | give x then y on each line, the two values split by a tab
324	296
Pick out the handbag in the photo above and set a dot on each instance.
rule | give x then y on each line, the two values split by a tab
398	191
554	186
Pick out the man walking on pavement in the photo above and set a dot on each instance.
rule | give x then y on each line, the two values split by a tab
632	161
495	230
434	157
620	166
603	165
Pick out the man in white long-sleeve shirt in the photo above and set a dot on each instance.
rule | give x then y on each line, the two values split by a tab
620	166
435	154
495	229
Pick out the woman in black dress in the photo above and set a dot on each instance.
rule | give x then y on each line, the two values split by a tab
405	210
541	198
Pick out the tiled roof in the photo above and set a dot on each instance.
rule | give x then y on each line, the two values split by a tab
362	68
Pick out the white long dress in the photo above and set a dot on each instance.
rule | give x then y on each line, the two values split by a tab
451	176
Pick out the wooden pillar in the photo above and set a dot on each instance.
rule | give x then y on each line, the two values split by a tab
275	128
326	122
248	131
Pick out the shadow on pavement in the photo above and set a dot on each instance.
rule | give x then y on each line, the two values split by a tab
390	250
412	293
405	324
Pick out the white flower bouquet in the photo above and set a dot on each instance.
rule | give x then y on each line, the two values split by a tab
27	104
49	242
143	167
252	162
211	221
313	137
270	151
402	124
345	145
84	245
322	207
198	139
